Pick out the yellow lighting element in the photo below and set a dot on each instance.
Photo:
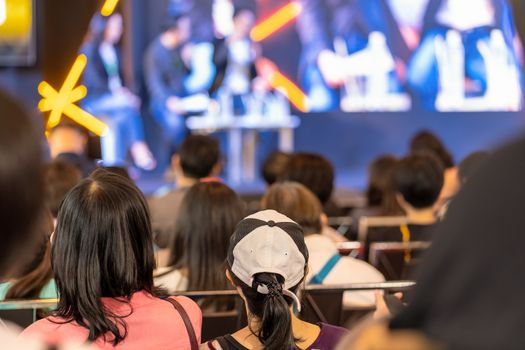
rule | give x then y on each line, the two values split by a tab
108	8
296	96
63	101
276	21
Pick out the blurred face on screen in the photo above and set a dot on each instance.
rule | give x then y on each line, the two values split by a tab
184	29
114	29
243	23
466	14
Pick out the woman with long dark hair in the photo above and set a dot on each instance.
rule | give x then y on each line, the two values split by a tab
109	98
207	217
267	263
103	261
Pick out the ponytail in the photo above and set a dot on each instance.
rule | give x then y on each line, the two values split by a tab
267	302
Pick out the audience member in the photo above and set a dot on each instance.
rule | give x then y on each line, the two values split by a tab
468	296
274	166
317	174
380	192
418	180
326	266
103	261
61	176
21	198
68	141
35	279
267	263
21	184
207	218
199	157
426	141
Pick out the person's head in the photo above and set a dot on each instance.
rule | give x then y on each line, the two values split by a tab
178	29
198	157
206	220
274	166
61	177
314	171
102	247
297	202
470	165
267	262
380	179
418	180
67	137
21	181
243	22
114	29
427	141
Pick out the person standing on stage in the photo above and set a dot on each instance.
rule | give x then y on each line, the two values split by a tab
108	97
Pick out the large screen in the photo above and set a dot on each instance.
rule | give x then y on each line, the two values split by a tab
396	55
17	41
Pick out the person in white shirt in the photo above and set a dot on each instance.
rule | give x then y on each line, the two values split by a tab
326	266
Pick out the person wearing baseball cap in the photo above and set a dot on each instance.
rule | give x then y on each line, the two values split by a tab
267	263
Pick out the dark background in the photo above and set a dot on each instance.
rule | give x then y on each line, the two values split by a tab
350	141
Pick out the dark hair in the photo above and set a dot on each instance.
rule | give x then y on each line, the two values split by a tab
272	309
207	218
61	177
38	272
470	165
21	180
118	170
419	179
198	155
380	178
103	247
427	141
274	166
314	171
297	202
173	22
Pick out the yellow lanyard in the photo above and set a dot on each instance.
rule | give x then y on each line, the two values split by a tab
405	233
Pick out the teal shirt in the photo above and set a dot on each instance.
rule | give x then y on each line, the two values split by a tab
49	291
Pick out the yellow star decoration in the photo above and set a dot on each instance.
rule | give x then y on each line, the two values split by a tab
109	7
63	101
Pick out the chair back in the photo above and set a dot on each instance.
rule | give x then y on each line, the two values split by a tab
397	260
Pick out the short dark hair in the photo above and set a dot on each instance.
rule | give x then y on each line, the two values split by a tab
103	247
274	166
427	141
380	179
207	218
297	202
198	155
21	179
314	171
419	179
61	177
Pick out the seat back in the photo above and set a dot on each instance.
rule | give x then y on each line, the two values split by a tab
397	260
321	306
367	222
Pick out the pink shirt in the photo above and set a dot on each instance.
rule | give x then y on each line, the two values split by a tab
153	324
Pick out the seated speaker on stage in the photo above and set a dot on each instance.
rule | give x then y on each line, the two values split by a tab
110	99
170	80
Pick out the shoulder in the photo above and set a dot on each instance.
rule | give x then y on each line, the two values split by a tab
191	308
330	335
362	270
48	331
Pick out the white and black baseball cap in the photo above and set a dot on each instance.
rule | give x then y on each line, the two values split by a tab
269	242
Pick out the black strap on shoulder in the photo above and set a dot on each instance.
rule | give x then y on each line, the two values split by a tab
187	322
